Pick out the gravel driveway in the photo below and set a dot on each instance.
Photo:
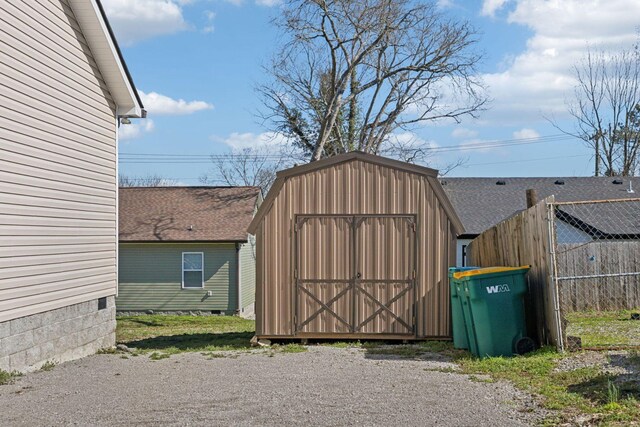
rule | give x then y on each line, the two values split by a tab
324	386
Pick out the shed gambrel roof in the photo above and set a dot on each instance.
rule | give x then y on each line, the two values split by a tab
186	214
430	174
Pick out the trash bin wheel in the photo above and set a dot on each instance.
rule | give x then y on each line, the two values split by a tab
525	345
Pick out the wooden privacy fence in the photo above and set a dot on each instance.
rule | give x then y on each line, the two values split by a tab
525	239
599	276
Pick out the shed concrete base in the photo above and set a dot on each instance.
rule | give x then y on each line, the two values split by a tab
57	336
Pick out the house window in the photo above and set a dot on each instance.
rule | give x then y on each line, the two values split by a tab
192	270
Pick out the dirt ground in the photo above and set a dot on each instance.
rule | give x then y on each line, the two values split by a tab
323	386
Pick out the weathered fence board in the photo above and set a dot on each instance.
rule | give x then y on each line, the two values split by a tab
524	240
617	263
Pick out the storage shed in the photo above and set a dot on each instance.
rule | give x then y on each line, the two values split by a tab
354	246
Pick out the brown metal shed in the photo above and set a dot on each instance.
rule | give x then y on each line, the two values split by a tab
354	246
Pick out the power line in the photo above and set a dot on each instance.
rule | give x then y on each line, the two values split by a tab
470	164
170	158
527	160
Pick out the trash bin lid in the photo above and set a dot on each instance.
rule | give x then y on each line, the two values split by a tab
488	270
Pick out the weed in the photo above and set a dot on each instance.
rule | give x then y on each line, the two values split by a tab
444	370
343	344
613	393
107	350
407	351
289	348
8	377
158	356
48	365
481	379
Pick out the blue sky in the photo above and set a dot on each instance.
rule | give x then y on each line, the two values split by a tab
197	63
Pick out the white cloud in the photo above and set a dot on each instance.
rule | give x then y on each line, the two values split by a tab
464	133
136	20
135	129
445	4
490	7
162	105
537	82
411	140
525	133
268	3
210	16
240	141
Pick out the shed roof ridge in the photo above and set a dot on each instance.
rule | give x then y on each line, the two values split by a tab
359	155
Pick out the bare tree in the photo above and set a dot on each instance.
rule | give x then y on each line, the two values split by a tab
408	148
605	108
151	180
351	72
254	167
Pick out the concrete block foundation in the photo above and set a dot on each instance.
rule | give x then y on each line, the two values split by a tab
57	336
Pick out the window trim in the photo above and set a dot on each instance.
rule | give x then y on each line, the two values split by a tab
201	270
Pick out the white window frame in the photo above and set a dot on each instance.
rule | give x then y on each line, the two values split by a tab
200	270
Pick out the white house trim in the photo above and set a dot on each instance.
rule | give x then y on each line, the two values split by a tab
96	30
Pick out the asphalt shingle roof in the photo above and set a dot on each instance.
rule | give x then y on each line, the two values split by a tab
194	214
481	203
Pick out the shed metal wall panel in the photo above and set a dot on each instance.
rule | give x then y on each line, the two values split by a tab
355	187
150	278
58	231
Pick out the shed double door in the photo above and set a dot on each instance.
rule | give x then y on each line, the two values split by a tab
355	275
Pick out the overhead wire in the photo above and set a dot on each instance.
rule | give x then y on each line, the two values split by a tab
175	158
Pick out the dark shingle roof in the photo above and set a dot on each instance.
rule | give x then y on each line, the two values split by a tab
603	220
151	214
481	203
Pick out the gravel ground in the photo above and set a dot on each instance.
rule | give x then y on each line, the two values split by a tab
324	386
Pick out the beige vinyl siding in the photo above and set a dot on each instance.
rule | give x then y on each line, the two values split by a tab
247	274
150	278
57	163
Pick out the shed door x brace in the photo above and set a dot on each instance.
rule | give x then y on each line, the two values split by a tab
355	274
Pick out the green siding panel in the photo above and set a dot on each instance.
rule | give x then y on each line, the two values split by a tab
150	278
247	257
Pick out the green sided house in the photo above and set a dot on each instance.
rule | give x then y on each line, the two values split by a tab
187	249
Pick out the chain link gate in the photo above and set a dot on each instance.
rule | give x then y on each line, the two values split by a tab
595	255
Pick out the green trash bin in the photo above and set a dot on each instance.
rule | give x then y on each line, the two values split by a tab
493	310
458	327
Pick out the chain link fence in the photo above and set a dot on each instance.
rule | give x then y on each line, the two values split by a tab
596	272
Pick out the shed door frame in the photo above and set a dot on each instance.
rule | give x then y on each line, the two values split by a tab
355	325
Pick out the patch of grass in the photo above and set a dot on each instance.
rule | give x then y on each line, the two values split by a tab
404	350
414	350
176	334
158	356
343	344
579	391
214	355
604	328
48	366
289	348
8	377
107	350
